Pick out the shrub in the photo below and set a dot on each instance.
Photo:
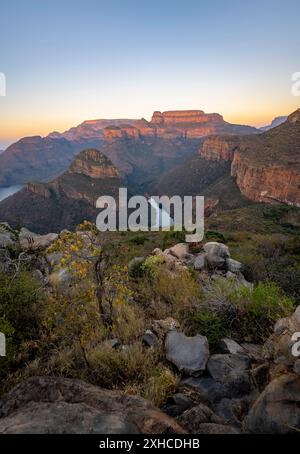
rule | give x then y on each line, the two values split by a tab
241	312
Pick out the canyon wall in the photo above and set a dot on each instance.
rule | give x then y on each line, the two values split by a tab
266	166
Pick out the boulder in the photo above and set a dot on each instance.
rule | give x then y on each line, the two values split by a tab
231	370
61	405
277	410
214	261
207	388
200	414
180	251
177	404
278	346
217	249
33	241
188	354
230	346
149	338
200	262
233	265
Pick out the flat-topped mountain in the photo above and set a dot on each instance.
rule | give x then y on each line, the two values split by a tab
41	159
68	199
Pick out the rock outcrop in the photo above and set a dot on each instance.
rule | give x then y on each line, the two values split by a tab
61	405
67	200
266	166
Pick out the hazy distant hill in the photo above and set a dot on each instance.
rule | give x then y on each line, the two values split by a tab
276	122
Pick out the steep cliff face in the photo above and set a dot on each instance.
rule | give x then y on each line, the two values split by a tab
266	166
268	184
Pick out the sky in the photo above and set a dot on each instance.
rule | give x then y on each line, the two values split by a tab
68	61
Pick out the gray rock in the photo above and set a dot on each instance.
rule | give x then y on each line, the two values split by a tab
233	411
180	250
214	261
200	414
61	405
217	249
230	346
278	346
200	262
114	343
189	354
261	375
233	265
208	389
232	371
177	404
277	410
33	241
149	338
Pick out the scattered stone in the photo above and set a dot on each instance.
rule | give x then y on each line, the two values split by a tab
279	345
61	405
254	351
217	249
233	411
180	250
214	261
233	265
200	262
189	354
230	346
114	343
33	241
277	410
200	414
177	404
208	390
149	338
232	371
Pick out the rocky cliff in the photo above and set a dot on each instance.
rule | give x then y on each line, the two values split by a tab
266	166
68	199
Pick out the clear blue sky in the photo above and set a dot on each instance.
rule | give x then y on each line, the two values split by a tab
67	61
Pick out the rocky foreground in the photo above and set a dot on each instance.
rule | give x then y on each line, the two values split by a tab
232	387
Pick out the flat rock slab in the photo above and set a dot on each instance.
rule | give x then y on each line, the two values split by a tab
188	354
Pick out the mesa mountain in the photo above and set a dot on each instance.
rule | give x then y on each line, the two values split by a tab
260	168
230	170
42	159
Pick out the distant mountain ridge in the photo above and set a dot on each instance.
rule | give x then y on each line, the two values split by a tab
276	122
43	158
